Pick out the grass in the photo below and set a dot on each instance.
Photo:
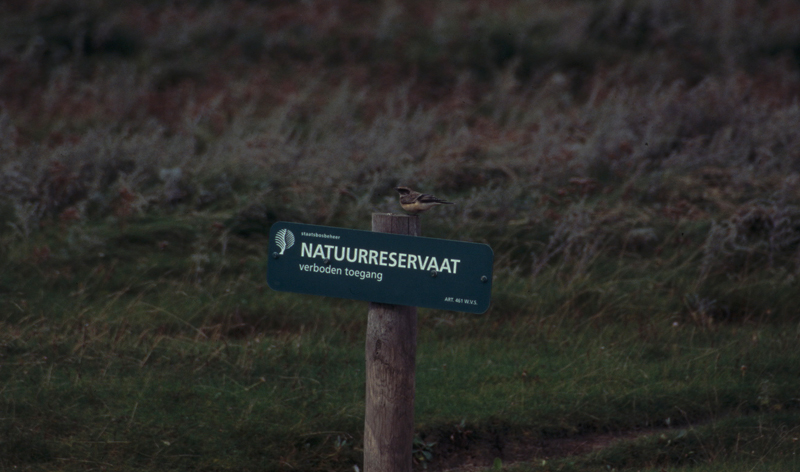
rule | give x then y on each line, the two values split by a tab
634	166
159	359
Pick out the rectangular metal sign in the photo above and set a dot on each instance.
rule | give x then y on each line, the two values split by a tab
380	267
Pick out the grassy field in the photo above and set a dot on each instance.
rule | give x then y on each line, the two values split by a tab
635	165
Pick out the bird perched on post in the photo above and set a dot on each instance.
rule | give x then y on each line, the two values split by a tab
415	202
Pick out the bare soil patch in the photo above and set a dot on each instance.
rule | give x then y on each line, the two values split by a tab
464	451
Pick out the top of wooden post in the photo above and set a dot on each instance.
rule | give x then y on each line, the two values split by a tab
396	224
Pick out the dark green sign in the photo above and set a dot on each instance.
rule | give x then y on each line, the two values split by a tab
380	267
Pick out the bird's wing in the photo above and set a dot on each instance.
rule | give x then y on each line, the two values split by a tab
425	198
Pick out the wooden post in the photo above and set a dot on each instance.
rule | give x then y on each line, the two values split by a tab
391	353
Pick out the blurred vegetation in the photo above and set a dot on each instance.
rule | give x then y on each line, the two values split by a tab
635	165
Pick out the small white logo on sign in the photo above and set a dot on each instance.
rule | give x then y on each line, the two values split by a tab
284	239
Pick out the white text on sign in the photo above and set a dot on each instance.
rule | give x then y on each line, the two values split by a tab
379	258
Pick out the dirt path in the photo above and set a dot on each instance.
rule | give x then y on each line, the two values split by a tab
462	451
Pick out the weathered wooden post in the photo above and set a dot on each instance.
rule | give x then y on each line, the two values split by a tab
391	352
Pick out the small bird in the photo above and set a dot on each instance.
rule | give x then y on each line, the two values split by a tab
415	202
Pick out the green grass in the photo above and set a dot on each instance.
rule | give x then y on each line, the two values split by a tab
148	358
